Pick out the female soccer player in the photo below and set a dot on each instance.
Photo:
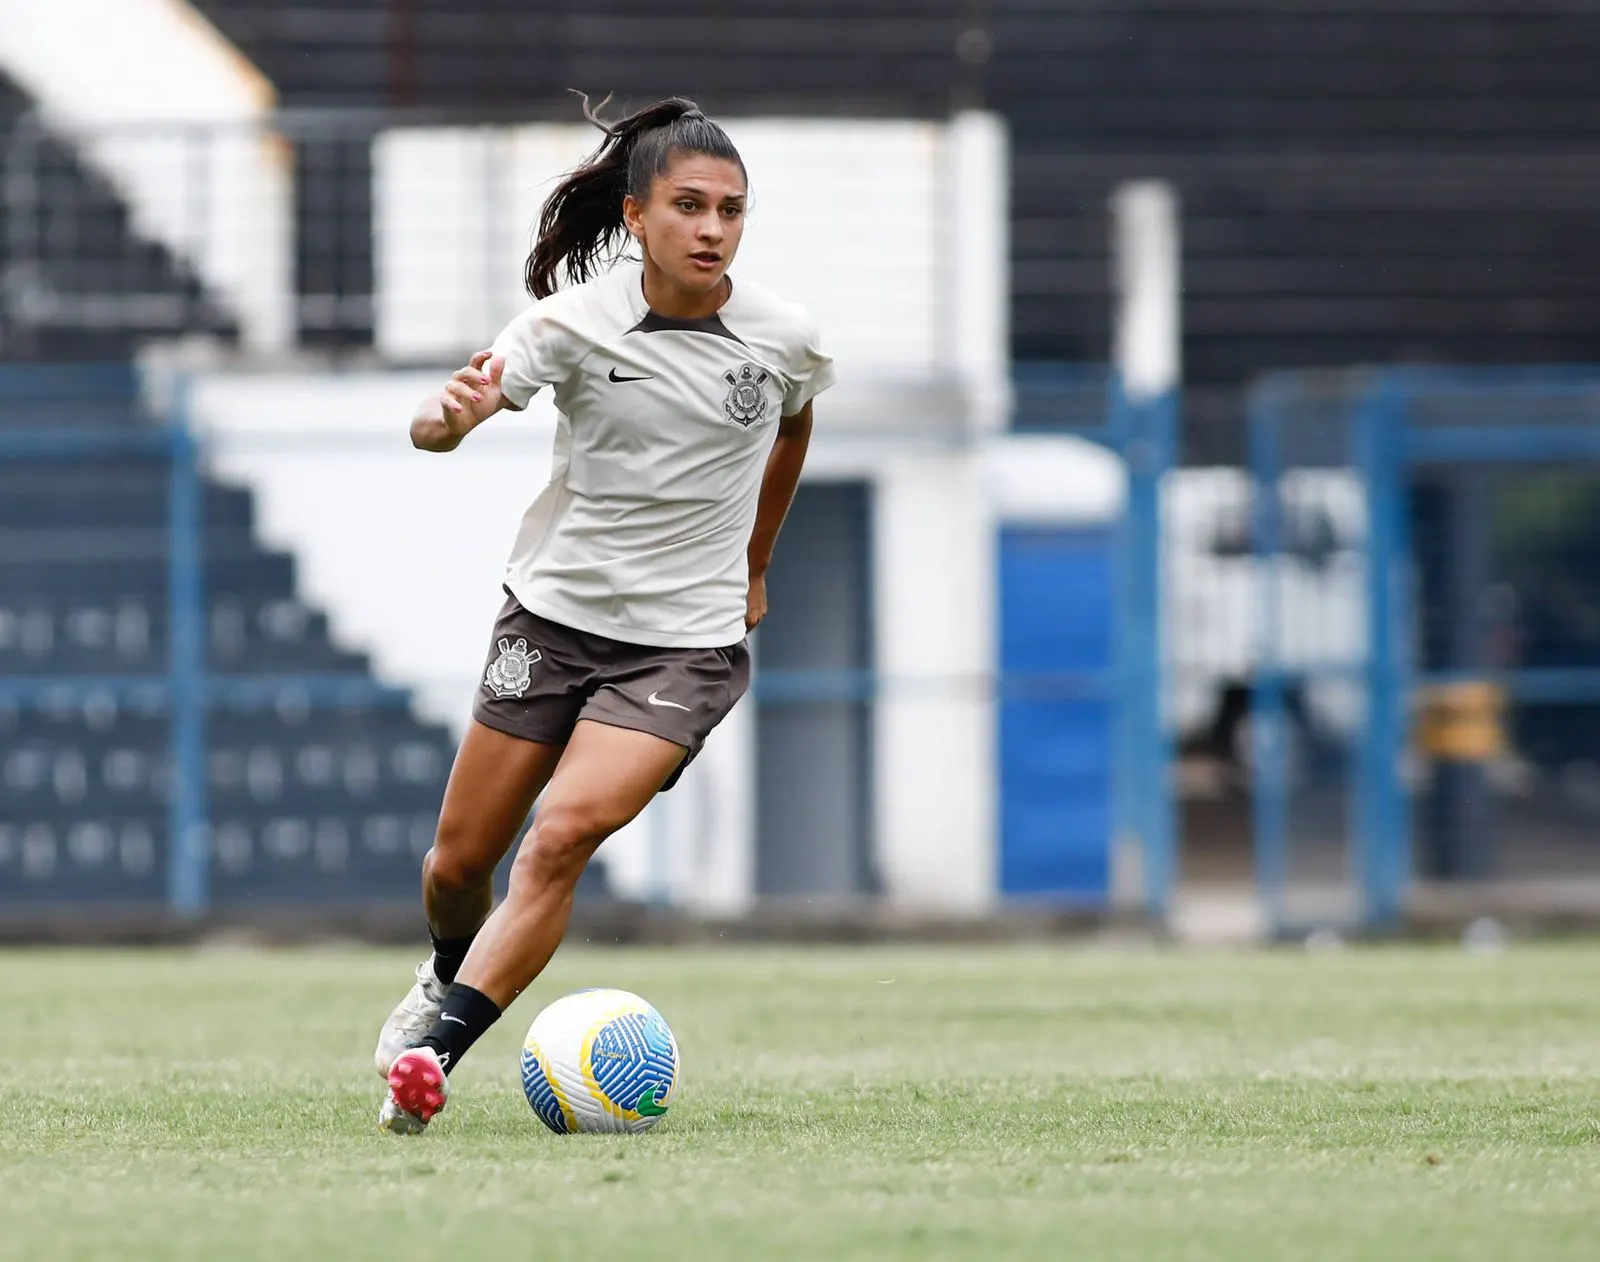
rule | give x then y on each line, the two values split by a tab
685	412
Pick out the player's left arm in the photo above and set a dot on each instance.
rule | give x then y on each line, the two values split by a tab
778	483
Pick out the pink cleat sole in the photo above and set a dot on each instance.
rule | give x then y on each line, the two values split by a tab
418	1085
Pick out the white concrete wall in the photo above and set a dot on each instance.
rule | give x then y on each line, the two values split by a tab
976	257
934	605
170	113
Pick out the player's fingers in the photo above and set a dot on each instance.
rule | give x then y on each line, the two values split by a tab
480	359
497	365
468	377
458	396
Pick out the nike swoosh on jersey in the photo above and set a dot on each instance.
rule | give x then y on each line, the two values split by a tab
616	380
656	700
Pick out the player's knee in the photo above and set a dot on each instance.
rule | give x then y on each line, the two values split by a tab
455	869
561	842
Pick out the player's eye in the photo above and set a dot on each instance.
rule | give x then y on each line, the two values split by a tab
688	205
733	211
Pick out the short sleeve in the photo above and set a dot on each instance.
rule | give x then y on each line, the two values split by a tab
810	369
538	347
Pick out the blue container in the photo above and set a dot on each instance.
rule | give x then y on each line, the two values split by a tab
1055	713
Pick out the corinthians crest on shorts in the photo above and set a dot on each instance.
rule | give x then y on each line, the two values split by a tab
509	674
747	401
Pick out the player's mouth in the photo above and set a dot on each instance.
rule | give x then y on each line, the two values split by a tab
706	260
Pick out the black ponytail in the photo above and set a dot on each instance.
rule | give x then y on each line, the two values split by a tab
581	223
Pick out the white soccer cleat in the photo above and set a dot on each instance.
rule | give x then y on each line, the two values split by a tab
417	1091
414	1017
391	1117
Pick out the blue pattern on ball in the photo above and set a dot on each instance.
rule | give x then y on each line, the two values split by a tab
634	1061
541	1095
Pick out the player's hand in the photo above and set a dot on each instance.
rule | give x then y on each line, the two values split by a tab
473	393
755	603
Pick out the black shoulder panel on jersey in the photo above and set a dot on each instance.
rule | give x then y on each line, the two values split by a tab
712	324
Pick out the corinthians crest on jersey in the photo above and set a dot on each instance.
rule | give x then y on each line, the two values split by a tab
747	398
510	673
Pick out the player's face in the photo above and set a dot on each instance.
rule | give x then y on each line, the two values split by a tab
691	223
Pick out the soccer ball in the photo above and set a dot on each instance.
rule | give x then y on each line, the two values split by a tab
599	1060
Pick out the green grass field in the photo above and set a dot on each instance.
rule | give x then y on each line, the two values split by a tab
897	1103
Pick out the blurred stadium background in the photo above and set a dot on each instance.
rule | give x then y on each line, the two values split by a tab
1203	529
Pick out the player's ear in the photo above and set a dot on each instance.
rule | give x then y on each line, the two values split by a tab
633	216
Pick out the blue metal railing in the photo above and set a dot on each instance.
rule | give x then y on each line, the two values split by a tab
1144	433
1377	426
1269	800
186	870
1058	397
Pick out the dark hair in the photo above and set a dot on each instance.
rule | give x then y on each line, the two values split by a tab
581	222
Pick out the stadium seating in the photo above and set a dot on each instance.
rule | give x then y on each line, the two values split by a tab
78	284
321	784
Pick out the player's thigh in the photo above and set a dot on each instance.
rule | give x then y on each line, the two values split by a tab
679	695
492	787
606	776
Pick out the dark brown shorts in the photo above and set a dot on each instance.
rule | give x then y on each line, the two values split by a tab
542	677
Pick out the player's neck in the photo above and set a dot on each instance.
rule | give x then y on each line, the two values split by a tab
677	303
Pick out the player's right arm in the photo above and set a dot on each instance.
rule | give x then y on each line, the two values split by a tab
469	399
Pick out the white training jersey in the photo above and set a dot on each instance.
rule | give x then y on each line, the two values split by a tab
663	434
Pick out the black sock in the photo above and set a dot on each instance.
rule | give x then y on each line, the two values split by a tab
448	955
465	1015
